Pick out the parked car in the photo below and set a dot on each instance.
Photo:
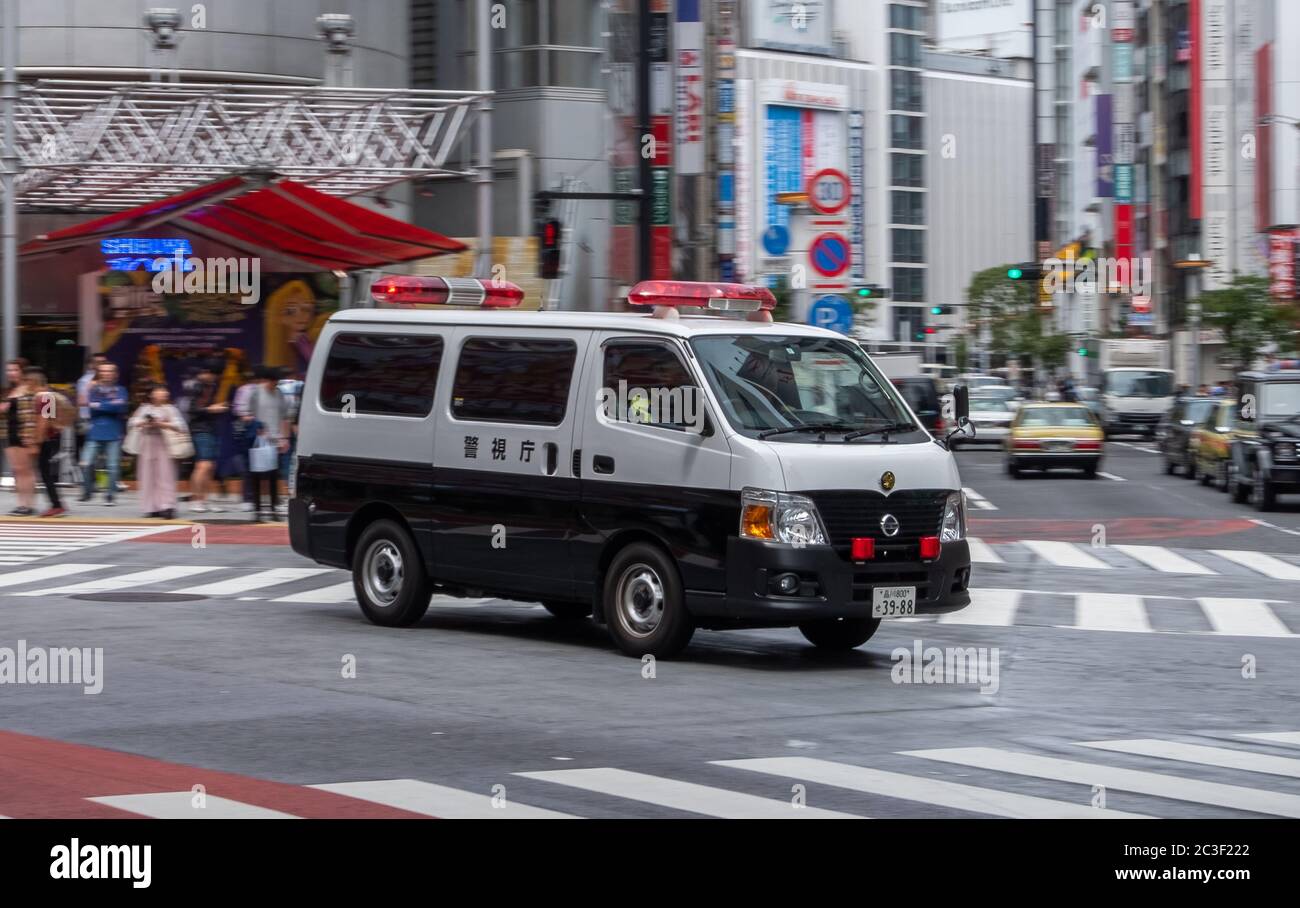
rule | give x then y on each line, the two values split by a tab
1211	444
1174	434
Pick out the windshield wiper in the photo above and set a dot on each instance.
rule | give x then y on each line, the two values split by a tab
810	427
885	429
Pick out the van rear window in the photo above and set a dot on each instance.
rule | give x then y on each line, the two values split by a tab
515	381
381	374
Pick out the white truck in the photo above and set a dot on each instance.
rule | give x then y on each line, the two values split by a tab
1137	385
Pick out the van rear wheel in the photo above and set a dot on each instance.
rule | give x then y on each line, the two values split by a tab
388	576
839	634
645	608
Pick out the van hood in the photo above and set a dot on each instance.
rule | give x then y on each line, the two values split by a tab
813	467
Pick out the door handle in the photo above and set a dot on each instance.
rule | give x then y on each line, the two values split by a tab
602	463
552	457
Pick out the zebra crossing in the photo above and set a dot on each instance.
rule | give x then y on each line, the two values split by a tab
1141	778
1159	559
25	542
990	606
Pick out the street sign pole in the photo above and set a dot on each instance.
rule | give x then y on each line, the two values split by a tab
9	170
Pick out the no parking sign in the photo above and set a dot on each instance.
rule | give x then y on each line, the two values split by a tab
830	255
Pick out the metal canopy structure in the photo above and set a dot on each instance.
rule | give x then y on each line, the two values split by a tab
89	145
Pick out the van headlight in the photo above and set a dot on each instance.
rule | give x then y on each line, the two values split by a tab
954	518
780	517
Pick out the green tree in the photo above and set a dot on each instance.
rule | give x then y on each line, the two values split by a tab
1010	309
1249	319
961	353
1052	350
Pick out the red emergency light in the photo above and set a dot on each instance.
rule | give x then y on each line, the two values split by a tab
862	548
416	290
930	548
667	296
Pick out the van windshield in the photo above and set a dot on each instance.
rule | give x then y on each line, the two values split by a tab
1139	383
772	383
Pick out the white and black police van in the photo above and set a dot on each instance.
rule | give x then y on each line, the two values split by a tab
659	472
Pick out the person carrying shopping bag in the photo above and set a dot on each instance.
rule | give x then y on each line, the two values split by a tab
158	438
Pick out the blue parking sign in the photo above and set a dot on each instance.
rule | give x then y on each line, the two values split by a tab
833	312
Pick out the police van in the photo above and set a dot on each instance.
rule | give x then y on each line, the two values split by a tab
689	464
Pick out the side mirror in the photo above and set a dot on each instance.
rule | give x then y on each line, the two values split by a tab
961	414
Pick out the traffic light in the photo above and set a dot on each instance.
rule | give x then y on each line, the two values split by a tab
941	310
548	253
1025	271
1083	351
870	292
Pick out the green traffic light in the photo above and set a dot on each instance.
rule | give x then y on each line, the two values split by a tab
864	292
1083	351
936	310
1015	273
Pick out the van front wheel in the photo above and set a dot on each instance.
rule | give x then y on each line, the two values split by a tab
388	576
645	609
839	634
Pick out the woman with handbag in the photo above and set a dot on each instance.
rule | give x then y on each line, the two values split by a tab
156	434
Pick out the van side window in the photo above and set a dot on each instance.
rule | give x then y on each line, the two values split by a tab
381	374
646	383
515	381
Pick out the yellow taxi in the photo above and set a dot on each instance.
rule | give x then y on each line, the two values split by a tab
1210	445
1045	436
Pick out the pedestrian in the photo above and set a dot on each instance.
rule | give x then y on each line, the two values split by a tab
107	404
20	432
204	411
290	386
244	436
270	429
93	362
52	414
155	427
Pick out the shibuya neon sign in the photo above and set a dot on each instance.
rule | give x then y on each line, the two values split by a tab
148	254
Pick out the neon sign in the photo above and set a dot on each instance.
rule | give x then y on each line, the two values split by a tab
140	253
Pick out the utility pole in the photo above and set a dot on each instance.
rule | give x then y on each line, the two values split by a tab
646	175
483	59
9	169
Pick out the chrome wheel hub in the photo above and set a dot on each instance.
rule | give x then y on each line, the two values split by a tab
640	600
382	573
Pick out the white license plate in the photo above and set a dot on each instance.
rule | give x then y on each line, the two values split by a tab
1058	446
893	601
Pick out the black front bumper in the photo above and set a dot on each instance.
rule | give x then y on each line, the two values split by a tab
835	587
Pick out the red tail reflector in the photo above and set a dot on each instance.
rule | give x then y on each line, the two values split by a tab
1087	444
416	290
929	548
863	548
1028	443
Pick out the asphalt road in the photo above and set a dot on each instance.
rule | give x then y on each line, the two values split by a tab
1163	649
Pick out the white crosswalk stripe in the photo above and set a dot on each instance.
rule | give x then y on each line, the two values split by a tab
440	801
1275	737
1267	565
25	542
179	805
1216	794
1064	554
989	608
337	592
17	578
1206	756
1243	617
254	581
978	501
982	553
927	791
1163	559
687	796
1110	612
124	581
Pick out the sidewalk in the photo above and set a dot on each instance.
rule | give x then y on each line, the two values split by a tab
126	509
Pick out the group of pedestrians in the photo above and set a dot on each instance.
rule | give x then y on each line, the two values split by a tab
257	426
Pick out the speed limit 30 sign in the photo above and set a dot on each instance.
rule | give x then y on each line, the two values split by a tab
829	191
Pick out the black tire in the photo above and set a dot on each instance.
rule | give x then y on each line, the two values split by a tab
1169	467
1239	492
1201	476
839	634
644	605
1262	495
568	611
1012	470
388	576
1090	472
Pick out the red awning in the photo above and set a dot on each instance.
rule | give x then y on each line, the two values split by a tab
279	219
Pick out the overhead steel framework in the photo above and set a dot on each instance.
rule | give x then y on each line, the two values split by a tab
89	145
